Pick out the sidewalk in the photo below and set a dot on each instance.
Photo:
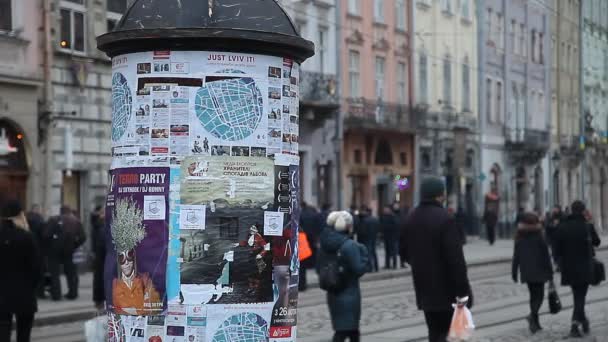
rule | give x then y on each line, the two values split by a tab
477	252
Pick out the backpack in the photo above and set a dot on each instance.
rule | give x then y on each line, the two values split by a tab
331	272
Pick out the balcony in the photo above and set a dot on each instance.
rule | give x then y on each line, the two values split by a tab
318	90
373	115
527	145
446	120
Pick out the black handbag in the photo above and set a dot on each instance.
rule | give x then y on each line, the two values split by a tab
599	272
555	304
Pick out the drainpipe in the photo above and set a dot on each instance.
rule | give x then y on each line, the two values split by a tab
581	101
47	105
339	130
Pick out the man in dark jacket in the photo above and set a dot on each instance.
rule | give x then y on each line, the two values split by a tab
310	224
367	233
64	234
37	226
573	246
551	224
431	244
390	229
98	239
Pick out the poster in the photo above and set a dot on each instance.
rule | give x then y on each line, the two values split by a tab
137	229
231	260
250	322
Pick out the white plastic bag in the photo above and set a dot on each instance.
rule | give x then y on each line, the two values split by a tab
96	329
462	326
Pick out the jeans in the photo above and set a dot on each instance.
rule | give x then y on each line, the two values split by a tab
71	274
24	326
580	294
537	295
351	335
438	324
491	232
373	256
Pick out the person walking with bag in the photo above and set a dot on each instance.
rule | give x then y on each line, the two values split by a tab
574	242
431	244
20	273
342	262
531	259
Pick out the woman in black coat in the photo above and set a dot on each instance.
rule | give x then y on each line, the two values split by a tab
20	273
573	246
531	259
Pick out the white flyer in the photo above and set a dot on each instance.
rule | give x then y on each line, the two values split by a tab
192	217
273	223
154	208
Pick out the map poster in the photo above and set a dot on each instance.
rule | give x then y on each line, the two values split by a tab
240	322
230	261
137	221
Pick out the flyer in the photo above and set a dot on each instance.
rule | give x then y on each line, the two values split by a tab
138	231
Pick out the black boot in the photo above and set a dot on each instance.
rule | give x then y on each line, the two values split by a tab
532	324
575	331
537	321
586	329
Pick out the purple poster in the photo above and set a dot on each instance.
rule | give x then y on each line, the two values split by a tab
137	212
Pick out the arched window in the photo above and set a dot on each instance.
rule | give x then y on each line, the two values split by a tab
384	154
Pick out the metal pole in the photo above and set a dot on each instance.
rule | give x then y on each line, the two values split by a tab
581	101
47	107
338	118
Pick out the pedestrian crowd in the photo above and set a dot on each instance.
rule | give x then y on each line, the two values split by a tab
34	253
429	239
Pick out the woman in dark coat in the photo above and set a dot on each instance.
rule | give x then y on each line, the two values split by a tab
20	273
345	306
531	259
573	246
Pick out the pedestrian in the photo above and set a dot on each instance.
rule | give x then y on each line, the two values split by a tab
20	273
345	303
310	224
531	259
574	242
65	235
98	235
367	234
401	214
390	232
37	224
431	244
490	216
551	224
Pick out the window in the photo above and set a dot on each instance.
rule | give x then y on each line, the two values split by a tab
72	27
489	25
400	14
423	79
401	79
116	8
403	158
532	103
522	39
498	111
489	100
322	47
353	73
466	86
533	45
568	57
353	7
447	81
380	64
358	159
499	31
446	6
6	15
513	34
541	103
465	10
379	11
541	48
574	58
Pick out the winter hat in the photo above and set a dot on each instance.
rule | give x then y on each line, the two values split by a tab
11	208
340	220
431	188
530	219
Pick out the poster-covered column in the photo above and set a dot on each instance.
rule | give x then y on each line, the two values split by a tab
203	205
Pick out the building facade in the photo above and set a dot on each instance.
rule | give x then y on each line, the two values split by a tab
77	123
319	100
376	132
445	74
567	152
595	106
514	55
21	87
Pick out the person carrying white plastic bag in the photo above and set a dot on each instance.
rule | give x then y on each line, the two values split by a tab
462	326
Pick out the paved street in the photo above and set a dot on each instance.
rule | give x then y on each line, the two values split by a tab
390	315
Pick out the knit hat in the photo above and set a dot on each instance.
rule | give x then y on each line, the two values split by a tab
431	188
11	208
340	220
